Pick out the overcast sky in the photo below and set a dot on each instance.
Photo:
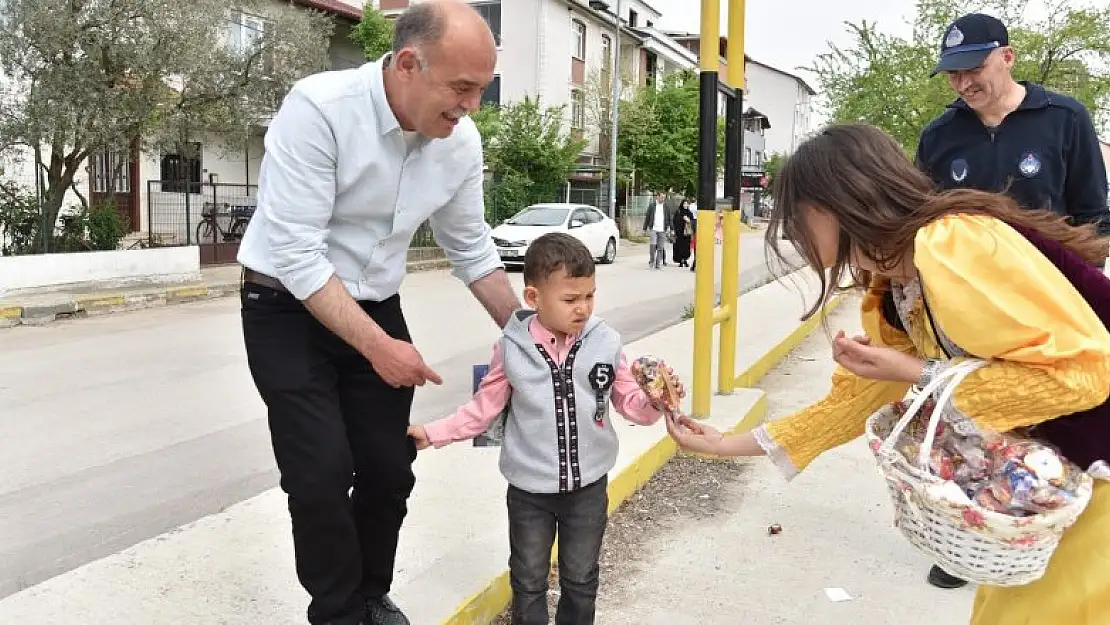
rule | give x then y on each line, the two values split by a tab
791	33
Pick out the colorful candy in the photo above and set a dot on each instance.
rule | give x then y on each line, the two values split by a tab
1000	472
659	384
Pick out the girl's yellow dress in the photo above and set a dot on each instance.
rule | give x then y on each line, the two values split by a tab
992	294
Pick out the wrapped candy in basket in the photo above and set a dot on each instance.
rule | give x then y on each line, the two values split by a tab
987	507
660	384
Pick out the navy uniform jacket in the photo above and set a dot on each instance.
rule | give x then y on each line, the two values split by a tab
1045	154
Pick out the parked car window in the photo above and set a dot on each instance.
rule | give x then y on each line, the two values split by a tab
539	216
593	217
580	215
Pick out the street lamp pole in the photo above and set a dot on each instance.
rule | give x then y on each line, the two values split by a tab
614	108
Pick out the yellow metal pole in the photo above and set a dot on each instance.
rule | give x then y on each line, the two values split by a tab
736	45
730	293
708	53
730	248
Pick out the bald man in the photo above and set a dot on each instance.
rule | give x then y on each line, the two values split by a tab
355	161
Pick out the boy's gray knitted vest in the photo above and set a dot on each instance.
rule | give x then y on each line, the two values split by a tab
558	437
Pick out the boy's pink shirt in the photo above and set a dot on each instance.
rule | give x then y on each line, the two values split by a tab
493	393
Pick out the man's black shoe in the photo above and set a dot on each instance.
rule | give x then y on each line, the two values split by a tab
941	579
382	611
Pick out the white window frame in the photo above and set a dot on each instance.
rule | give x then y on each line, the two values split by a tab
245	30
577	109
578	39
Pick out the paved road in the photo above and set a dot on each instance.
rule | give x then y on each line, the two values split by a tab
116	429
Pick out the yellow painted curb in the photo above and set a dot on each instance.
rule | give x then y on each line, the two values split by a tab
100	301
484	606
187	291
11	312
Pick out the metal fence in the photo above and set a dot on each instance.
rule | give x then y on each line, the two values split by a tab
213	216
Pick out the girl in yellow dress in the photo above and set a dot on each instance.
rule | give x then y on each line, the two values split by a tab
945	276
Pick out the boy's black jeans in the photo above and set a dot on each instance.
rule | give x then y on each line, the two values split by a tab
579	517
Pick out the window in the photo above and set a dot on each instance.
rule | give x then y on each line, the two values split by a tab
748	156
606	66
632	18
492	94
577	109
491	12
245	31
578	40
181	173
650	24
111	172
651	68
593	217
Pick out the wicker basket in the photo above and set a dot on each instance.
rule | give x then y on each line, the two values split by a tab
966	540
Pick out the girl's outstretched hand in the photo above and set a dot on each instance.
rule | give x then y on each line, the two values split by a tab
693	436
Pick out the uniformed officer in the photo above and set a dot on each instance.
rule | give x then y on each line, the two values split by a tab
1002	135
1038	146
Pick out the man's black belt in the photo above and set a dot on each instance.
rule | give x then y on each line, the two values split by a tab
261	279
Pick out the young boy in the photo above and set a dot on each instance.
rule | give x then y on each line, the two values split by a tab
556	369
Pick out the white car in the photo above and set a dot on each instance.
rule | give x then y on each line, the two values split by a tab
593	228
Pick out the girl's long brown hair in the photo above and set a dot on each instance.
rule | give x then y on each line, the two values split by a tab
861	175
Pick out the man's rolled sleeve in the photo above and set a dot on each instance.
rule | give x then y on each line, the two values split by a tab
460	229
1085	187
297	187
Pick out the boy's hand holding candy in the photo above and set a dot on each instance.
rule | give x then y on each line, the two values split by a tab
660	384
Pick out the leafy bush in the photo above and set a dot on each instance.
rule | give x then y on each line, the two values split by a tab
106	227
20	221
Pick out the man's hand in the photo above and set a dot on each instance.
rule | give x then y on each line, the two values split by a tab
399	364
875	363
420	436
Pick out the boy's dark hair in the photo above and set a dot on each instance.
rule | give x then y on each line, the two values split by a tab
554	251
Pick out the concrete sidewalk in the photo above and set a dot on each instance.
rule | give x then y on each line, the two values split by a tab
236	567
837	533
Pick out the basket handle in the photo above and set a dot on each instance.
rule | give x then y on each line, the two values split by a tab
962	370
922	397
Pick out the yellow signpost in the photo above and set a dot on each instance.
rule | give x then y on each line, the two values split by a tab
707	313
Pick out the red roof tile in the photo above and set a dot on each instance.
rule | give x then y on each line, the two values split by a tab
333	6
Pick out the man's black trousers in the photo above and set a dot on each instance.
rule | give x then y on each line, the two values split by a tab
339	437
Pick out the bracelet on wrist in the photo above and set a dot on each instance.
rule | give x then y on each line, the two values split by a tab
928	372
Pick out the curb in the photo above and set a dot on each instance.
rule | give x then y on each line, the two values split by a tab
484	606
71	307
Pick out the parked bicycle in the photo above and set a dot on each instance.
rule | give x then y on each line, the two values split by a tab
209	225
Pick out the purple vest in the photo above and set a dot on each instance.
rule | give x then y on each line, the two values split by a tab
1083	437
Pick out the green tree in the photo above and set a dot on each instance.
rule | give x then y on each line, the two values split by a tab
884	80
529	152
87	77
658	134
771	166
374	33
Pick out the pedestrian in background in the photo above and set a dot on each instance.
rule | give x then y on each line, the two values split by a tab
683	228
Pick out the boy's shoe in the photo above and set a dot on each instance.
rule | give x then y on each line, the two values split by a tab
382	611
